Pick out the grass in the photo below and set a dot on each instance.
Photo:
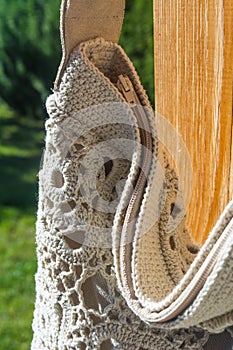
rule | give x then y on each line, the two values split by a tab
21	143
17	261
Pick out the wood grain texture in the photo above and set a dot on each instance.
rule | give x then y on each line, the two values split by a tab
193	90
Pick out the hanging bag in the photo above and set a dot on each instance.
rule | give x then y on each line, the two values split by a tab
117	268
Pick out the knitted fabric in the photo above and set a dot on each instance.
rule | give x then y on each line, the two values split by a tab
79	301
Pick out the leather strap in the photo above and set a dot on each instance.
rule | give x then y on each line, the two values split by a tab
82	20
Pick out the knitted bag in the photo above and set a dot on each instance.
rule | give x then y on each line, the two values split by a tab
117	268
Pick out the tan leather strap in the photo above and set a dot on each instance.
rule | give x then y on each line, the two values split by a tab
82	20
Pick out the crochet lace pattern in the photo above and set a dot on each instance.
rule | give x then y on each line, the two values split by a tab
78	303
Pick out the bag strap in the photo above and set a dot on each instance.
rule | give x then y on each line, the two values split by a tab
82	20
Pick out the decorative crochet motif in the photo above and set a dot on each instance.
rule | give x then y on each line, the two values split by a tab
78	303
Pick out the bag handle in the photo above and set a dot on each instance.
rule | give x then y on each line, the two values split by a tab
82	20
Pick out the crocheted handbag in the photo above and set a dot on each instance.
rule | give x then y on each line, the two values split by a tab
117	268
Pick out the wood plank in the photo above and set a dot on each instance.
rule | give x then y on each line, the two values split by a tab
193	90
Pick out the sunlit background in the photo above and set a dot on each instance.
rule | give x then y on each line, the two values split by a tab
29	57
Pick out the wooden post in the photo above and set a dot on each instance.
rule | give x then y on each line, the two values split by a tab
193	90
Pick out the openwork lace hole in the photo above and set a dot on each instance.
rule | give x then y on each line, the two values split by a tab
50	203
78	147
68	155
106	345
64	266
81	346
44	222
192	249
67	207
58	310
57	178
108	269
86	331
60	286
95	319
74	299
75	239
95	293
174	210
77	333
85	206
78	271
128	320
108	165
172	243
72	204
69	281
81	315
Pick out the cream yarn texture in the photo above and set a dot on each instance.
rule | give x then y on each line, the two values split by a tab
80	300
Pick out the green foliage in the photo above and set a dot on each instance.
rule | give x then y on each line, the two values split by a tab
137	40
30	50
21	141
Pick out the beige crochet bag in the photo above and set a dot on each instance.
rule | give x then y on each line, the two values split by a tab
117	268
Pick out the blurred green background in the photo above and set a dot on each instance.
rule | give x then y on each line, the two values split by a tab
29	57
